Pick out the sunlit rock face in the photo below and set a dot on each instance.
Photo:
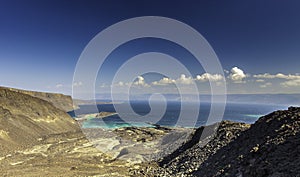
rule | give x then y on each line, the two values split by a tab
24	119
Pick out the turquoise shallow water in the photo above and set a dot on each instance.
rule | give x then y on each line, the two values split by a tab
97	124
254	115
247	113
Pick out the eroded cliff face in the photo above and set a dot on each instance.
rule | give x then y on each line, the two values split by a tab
25	118
60	101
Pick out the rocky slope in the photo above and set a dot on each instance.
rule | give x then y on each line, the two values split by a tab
270	147
193	152
24	119
38	139
186	161
60	101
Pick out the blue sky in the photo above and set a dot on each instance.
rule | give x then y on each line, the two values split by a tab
41	41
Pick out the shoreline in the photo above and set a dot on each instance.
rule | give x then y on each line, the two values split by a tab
100	115
157	151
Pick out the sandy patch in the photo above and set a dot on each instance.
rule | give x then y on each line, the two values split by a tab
39	149
4	134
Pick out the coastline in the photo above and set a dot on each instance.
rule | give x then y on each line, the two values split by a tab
46	138
99	115
156	151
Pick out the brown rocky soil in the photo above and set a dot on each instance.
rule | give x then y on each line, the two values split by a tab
38	139
60	101
24	119
67	154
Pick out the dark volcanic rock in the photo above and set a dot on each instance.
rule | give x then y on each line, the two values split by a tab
193	153
191	157
271	147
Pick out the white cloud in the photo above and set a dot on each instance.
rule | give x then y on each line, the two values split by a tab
59	85
291	80
260	80
121	83
277	76
77	84
268	84
140	82
164	81
184	80
291	83
209	77
237	75
103	85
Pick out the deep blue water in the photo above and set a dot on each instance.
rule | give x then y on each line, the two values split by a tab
238	112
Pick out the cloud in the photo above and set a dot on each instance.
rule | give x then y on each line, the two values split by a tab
121	83
268	84
237	75
103	85
260	80
226	71
77	84
291	80
291	83
164	81
140	82
59	85
277	76
209	77
184	80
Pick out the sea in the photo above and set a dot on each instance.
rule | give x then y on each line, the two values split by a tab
142	116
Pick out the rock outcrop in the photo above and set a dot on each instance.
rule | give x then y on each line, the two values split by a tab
188	157
24	119
271	147
63	102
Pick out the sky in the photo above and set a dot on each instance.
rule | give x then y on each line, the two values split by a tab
257	43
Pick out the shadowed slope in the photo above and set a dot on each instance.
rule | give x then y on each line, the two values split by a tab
271	147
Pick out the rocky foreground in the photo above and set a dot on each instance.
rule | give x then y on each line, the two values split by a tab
37	138
270	147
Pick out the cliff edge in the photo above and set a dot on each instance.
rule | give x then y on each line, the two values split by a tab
25	118
61	101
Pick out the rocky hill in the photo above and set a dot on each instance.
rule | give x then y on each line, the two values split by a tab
60	101
39	139
25	118
193	152
270	147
